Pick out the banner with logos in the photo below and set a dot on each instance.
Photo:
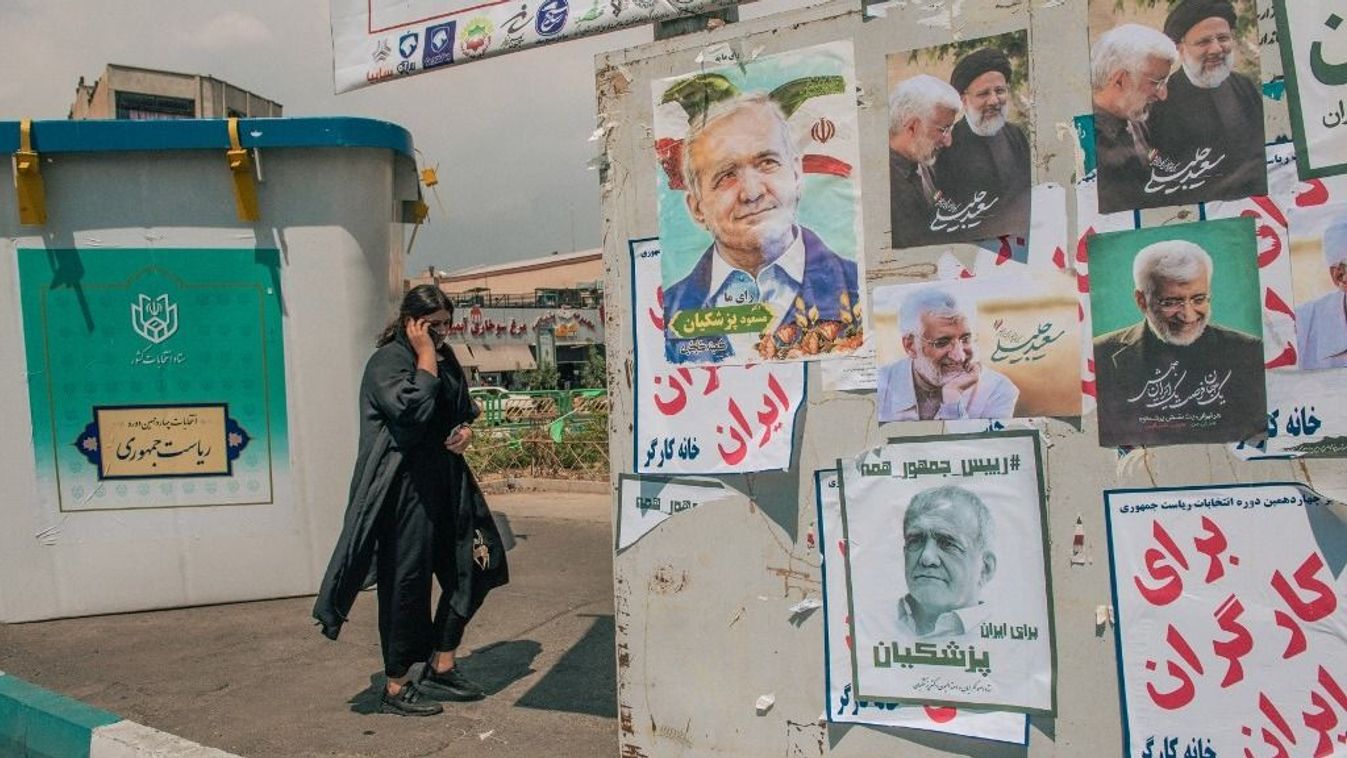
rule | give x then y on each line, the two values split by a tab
704	419
1229	645
156	378
379	40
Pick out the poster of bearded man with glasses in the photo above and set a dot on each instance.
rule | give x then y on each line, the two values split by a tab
1178	348
1178	111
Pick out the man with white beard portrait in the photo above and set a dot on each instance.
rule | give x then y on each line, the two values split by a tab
988	160
1174	376
1212	116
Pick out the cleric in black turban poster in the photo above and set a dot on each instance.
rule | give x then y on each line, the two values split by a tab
960	161
1178	112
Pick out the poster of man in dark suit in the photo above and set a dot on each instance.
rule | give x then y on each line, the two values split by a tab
758	210
960	159
1196	126
1177	376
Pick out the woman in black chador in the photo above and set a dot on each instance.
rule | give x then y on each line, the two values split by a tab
415	511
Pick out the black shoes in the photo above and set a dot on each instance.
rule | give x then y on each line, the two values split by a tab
410	701
449	685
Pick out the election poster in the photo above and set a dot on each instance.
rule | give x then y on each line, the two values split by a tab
645	502
995	346
376	41
1319	274
947	585
1305	418
158	381
1177	100
960	144
759	209
704	419
1227	644
1314	57
1178	345
842	705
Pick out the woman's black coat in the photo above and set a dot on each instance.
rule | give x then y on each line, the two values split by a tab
405	415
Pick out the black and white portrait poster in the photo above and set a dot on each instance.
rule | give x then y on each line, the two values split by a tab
1177	102
946	572
843	706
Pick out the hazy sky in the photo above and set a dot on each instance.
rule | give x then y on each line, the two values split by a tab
510	134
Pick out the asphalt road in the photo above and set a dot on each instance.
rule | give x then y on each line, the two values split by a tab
258	679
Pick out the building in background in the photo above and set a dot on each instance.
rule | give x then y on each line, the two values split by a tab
127	92
511	317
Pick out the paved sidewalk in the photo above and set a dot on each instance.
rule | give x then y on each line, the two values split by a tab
257	679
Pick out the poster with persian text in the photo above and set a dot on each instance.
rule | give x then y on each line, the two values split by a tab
1226	647
947	583
380	40
1178	333
156	377
960	146
703	419
993	346
1314	57
843	706
759	208
646	501
1178	102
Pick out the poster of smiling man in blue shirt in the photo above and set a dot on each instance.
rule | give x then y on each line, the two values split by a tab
759	220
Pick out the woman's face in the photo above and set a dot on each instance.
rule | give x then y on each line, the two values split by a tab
439	322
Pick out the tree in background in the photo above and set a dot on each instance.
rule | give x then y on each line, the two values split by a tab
545	377
594	372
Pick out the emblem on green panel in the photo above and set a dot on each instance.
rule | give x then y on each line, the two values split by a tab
162	364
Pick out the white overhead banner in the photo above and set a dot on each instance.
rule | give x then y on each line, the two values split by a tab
378	40
1230	643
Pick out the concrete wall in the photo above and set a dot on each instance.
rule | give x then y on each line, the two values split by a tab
702	622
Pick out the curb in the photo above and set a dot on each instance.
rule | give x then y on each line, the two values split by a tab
529	484
41	723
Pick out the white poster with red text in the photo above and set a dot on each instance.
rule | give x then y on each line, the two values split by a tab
1229	645
704	419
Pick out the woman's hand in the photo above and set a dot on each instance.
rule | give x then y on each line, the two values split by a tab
418	334
458	440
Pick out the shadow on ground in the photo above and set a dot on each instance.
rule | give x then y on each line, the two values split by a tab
494	667
584	679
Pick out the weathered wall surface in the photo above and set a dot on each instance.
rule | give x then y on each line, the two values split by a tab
702	603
